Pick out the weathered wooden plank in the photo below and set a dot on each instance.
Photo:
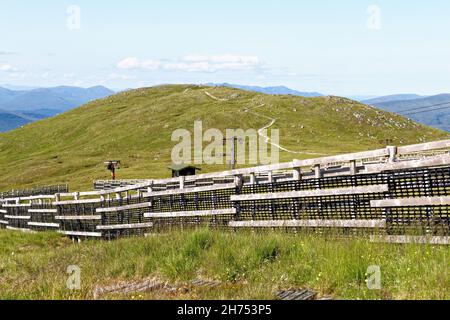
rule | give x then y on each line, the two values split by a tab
438	240
237	172
84	201
122	208
3	211
42	210
342	158
309	223
133	187
19	229
312	193
93	217
435	145
81	234
4	222
411	202
435	161
17	217
40	197
43	224
125	226
190	190
15	205
190	213
111	191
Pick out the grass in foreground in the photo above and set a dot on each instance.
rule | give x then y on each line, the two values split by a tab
250	266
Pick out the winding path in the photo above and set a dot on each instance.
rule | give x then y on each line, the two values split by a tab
261	131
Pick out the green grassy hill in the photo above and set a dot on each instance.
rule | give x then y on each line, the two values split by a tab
136	127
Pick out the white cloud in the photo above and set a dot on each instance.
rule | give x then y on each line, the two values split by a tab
135	63
228	62
196	63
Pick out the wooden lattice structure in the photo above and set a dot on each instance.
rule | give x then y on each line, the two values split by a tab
392	194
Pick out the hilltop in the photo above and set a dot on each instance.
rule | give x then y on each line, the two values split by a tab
280	90
136	127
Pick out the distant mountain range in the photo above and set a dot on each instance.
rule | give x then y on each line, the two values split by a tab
19	107
391	98
433	111
269	90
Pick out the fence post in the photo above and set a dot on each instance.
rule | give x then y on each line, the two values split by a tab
182	182
239	181
270	177
392	150
252	178
317	171
353	169
150	188
297	174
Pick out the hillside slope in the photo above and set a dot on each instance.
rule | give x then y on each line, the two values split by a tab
136	127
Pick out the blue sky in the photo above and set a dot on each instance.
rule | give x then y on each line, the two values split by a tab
353	47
